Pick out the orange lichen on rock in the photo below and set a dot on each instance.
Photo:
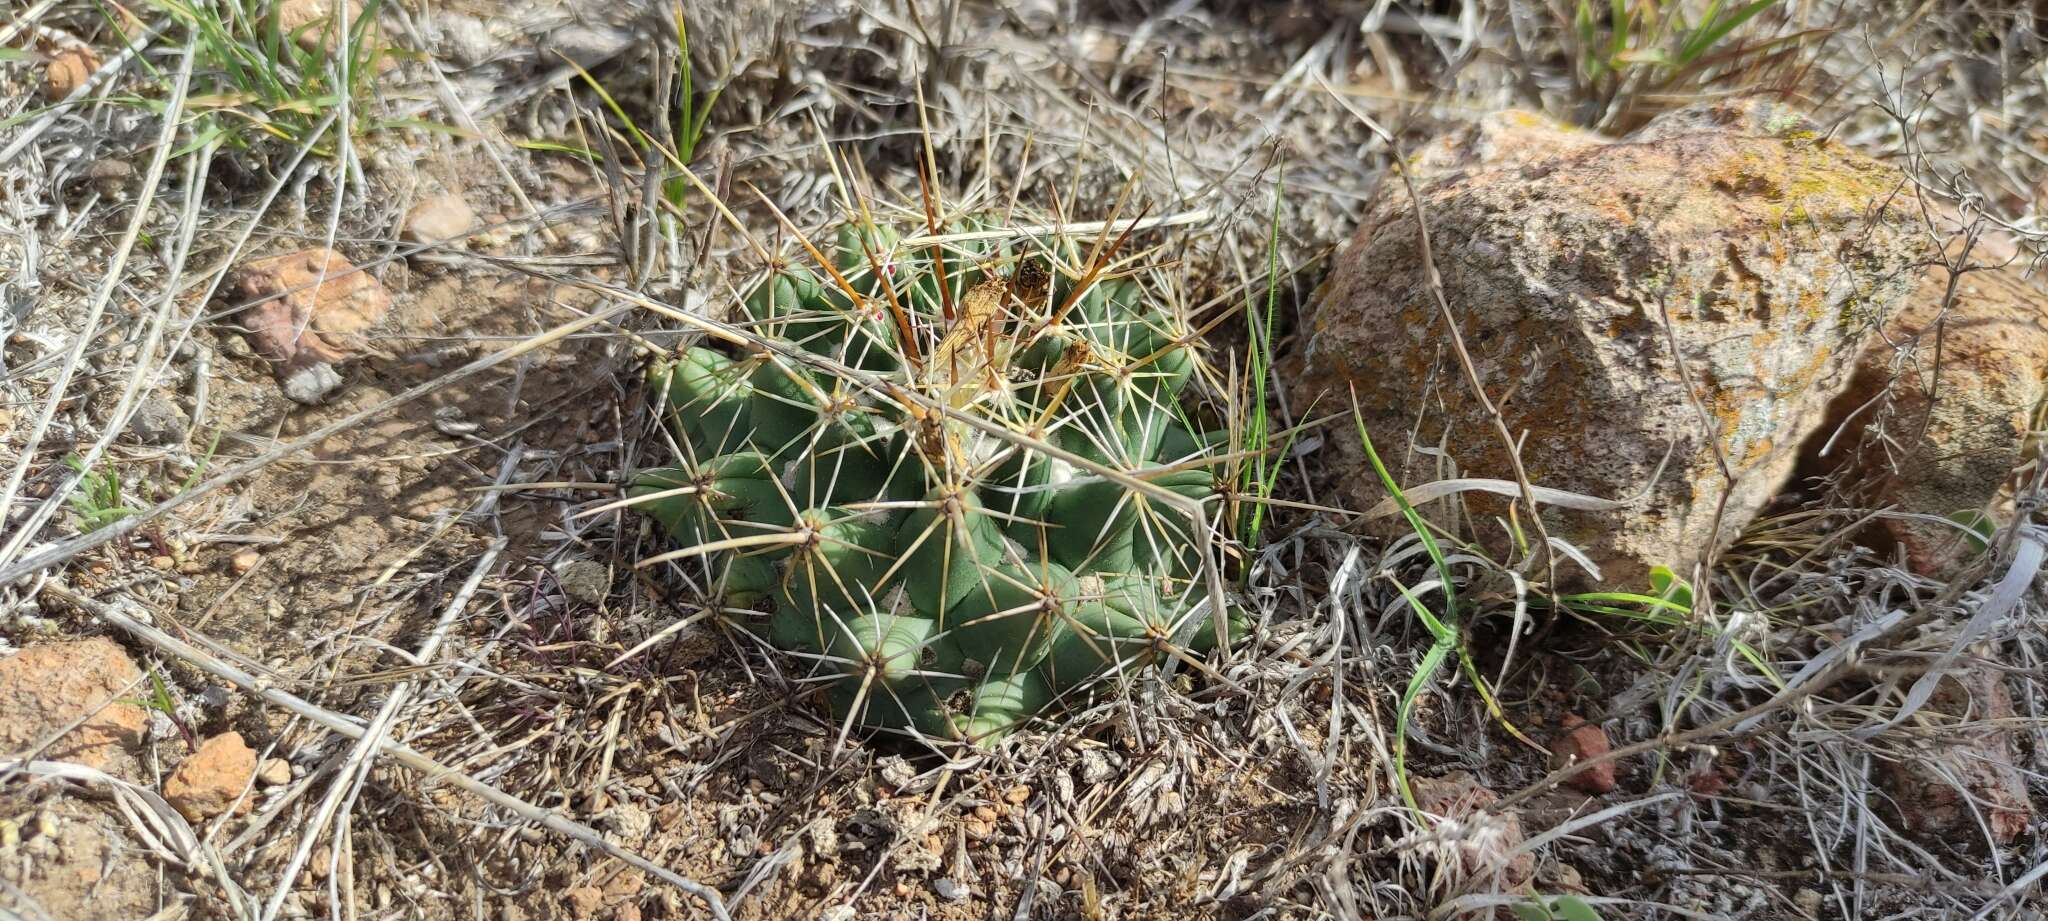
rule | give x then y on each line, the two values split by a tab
1573	265
1940	431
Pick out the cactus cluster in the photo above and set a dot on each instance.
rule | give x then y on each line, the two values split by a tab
918	472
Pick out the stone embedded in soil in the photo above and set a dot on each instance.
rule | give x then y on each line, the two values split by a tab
1771	249
47	687
588	581
208	781
583	901
313	308
1968	774
1479	840
1583	741
158	421
275	772
443	218
67	71
1965	379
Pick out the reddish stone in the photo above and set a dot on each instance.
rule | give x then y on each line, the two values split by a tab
213	778
48	687
1583	741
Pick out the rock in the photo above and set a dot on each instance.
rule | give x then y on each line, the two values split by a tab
276	772
588	581
443	218
212	778
310	309
158	421
1772	249
47	687
244	561
310	385
1582	741
1968	773
583	901
67	71
1477	840
110	177
1937	414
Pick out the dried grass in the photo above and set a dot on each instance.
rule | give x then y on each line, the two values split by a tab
631	723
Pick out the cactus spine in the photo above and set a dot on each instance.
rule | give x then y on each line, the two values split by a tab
957	581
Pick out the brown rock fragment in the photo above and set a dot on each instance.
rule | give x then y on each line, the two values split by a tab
310	310
1582	741
48	687
583	901
444	218
67	71
212	778
276	772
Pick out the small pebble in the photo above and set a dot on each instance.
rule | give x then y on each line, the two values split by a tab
67	71
275	772
245	561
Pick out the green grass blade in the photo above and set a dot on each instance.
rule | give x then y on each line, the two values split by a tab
1265	469
1714	28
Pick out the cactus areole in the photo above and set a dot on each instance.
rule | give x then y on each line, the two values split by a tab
946	581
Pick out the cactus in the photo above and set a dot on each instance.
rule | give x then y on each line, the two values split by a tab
949	582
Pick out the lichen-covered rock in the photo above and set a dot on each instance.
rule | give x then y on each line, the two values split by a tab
45	688
1762	250
1939	411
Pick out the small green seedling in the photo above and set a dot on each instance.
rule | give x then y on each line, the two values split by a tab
1561	908
98	501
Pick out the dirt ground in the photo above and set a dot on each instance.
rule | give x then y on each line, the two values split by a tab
640	733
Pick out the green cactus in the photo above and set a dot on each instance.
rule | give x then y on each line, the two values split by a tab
947	582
